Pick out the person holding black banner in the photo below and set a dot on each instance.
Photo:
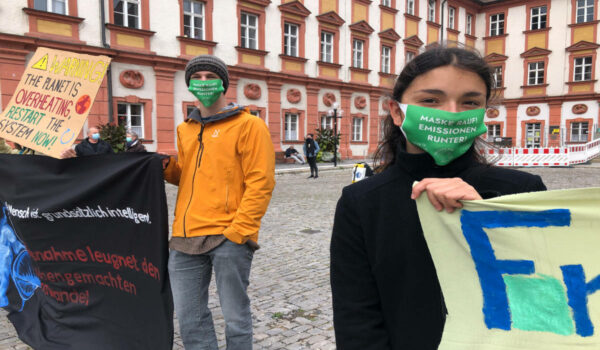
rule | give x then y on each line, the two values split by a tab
225	172
92	144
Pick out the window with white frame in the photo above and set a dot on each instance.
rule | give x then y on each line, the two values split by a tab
409	56
249	31
535	73
493	132
55	6
357	53
410	7
585	11
255	113
451	16
497	24
291	126
326	122
538	17
431	10
497	77
290	39
357	129
127	13
387	3
533	135
582	69
327	47
193	19
469	25
386	53
579	132
131	116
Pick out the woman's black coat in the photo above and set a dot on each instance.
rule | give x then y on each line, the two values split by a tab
385	290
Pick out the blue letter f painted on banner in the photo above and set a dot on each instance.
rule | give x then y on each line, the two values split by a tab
490	270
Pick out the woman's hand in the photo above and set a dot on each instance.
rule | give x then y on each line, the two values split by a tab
445	193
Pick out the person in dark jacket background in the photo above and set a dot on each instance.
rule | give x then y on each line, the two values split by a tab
311	149
133	144
93	144
386	294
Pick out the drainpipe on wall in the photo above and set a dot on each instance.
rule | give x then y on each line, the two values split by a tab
442	36
108	72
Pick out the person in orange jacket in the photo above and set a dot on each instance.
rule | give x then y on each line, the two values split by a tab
225	170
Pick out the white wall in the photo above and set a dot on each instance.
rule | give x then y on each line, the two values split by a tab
261	102
165	21
560	38
89	29
501	118
14	20
567	114
225	19
148	91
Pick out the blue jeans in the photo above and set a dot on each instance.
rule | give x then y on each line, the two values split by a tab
190	277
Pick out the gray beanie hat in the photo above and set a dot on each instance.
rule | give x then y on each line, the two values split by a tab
207	63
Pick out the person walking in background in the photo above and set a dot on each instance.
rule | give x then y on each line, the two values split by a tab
311	149
133	144
291	152
91	145
225	170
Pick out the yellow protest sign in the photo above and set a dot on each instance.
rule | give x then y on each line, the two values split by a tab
519	271
52	100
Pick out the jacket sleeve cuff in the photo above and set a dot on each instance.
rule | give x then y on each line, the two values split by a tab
169	171
232	235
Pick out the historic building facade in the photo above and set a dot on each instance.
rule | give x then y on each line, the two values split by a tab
290	61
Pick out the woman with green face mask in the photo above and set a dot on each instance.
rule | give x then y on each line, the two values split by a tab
385	290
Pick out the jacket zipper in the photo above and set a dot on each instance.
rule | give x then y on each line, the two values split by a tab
198	160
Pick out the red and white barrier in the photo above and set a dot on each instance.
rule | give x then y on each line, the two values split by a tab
545	156
583	153
499	156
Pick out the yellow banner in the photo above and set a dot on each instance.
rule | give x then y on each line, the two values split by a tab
52	100
519	271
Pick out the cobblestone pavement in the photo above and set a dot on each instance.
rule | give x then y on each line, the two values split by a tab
289	284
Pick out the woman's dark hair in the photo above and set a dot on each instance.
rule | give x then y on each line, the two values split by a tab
439	56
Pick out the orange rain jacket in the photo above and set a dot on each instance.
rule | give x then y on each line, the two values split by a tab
226	187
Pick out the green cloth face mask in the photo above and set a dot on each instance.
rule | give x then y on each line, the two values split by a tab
207	91
444	135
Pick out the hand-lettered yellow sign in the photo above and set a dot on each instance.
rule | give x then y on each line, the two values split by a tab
52	100
519	271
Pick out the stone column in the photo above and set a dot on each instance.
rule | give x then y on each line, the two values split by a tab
274	103
511	122
12	67
165	121
313	119
231	94
346	123
554	119
374	121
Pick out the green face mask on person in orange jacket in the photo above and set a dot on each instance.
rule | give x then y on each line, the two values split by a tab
444	135
207	91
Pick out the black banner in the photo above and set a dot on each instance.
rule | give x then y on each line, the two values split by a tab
83	251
